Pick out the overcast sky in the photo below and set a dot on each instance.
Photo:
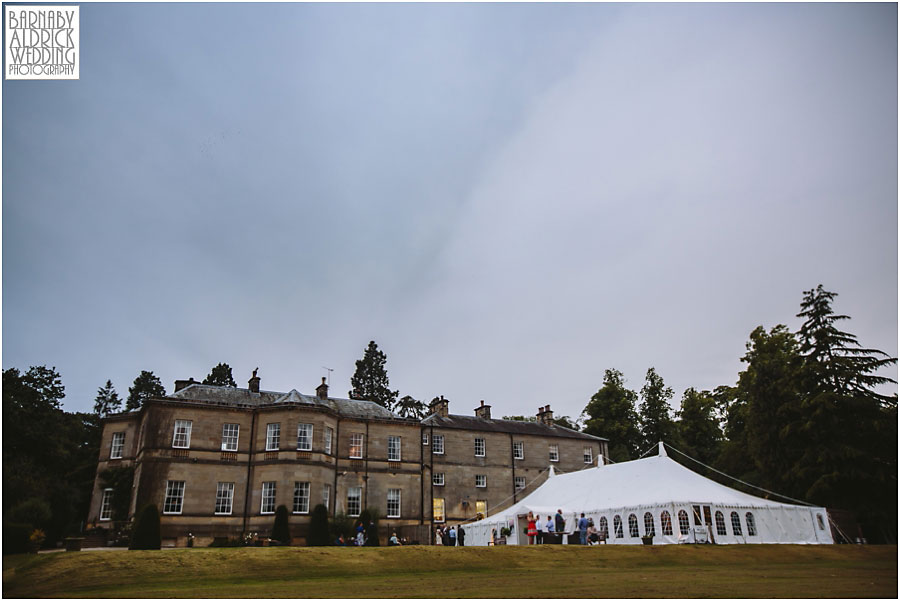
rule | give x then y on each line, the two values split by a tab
509	199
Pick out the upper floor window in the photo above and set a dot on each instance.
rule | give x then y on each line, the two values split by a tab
224	498
520	482
479	447
480	480
174	496
393	449
554	452
273	437
437	478
424	439
117	446
329	433
518	450
304	437
268	498
301	497
106	505
588	455
354	500
393	503
182	438
356	447
230	434
437	444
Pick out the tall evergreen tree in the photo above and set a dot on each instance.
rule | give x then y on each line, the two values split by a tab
107	400
145	386
655	413
220	376
698	426
370	381
611	414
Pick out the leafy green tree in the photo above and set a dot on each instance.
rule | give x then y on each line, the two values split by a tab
370	381
220	376
563	420
698	426
281	530
611	414
407	406
146	535
145	386
318	527
655	413
107	400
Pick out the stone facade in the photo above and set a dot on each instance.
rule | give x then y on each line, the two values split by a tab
217	461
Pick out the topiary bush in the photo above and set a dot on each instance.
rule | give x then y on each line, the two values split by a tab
146	529
318	527
281	531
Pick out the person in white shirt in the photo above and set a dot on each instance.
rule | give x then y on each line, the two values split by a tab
540	530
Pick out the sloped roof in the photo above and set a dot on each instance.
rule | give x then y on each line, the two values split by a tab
465	422
242	397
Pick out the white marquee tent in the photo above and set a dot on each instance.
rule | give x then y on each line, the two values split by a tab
658	496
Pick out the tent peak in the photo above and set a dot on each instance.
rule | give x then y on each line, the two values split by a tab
662	449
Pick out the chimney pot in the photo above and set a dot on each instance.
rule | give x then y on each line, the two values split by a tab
253	383
322	389
484	411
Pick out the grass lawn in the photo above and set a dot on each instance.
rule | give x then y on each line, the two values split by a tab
612	571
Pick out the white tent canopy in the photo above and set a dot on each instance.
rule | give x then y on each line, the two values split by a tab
658	496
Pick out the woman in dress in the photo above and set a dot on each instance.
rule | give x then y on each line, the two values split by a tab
532	528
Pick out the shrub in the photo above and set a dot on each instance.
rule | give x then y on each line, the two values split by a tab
281	530
36	539
32	511
146	529
342	524
16	537
318	527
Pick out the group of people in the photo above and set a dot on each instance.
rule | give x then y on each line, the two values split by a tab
450	536
546	531
365	536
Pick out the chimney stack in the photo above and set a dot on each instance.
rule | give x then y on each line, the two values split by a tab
440	406
322	389
545	416
253	383
484	411
179	384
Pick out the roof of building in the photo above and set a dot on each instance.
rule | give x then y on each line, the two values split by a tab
465	422
242	397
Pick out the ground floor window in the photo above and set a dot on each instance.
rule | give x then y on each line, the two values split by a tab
480	510
604	528
326	496
720	524
224	498
437	508
633	526
617	526
268	498
354	500
684	524
174	496
393	503
301	497
751	524
106	505
649	527
665	519
736	523
520	482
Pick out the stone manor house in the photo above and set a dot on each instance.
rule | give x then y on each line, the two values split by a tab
218	460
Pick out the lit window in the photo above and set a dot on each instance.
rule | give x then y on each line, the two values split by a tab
437	478
588	455
437	510
301	497
230	433
649	527
354	500
604	528
479	447
328	434
554	452
273	436
665	518
518	450
617	526
437	444
224	498
304	437
117	446
106	505
268	498
174	496
326	495
751	524
720	524
393	503
520	482
480	510
356	446
480	480
182	438
736	524
684	524
424	439
633	526
393	448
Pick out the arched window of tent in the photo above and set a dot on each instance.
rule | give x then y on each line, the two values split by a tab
736	523
684	524
649	528
751	524
604	528
633	526
819	520
665	518
617	526
720	524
